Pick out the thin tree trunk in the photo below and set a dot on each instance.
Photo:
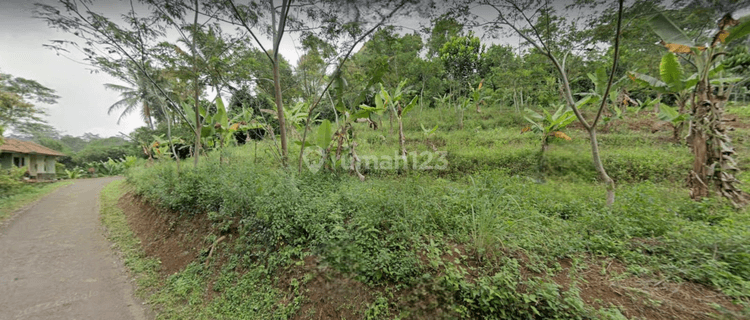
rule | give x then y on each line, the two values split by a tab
169	136
461	119
390	120
196	95
603	176
333	108
277	83
147	111
401	137
657	104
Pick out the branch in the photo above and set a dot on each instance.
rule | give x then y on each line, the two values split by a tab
244	24
614	65
282	23
114	43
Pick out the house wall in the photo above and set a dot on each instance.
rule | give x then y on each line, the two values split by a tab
6	160
50	164
40	162
33	164
39	166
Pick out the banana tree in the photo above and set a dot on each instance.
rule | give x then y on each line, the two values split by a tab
160	148
713	164
393	102
219	126
549	126
294	116
477	96
334	144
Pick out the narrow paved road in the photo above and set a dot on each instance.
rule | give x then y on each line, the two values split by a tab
56	264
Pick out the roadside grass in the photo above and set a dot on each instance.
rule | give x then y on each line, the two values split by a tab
118	231
182	295
25	195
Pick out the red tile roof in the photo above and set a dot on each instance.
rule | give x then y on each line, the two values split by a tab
18	146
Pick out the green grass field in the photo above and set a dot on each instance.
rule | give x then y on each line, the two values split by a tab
490	235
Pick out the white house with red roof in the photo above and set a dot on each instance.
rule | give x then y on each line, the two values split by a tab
39	160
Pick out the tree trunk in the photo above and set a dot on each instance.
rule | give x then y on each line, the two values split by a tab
713	163
277	87
147	113
169	136
677	129
280	112
196	95
603	176
401	137
656	105
390	120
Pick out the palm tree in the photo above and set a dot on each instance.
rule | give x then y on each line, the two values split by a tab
138	93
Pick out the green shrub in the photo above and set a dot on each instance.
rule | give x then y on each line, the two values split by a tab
10	181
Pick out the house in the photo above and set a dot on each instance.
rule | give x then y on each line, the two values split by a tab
39	160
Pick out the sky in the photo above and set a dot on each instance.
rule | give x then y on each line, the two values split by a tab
84	101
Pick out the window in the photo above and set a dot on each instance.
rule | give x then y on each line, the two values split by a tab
19	161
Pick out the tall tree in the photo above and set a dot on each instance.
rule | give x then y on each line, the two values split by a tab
462	59
444	28
17	109
111	47
138	95
248	15
714	166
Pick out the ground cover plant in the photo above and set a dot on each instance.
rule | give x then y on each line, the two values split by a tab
19	194
470	241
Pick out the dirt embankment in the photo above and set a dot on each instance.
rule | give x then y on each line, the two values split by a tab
179	240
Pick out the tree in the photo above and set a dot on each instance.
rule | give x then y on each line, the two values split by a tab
113	48
462	59
510	15
139	93
672	82
713	164
311	66
444	29
246	15
17	111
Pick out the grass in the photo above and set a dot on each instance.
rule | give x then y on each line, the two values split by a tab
25	195
127	243
394	230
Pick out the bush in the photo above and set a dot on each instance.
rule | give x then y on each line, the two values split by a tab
10	181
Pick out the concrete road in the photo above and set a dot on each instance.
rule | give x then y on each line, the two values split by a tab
55	262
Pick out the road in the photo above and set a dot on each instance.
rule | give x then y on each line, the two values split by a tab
55	262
